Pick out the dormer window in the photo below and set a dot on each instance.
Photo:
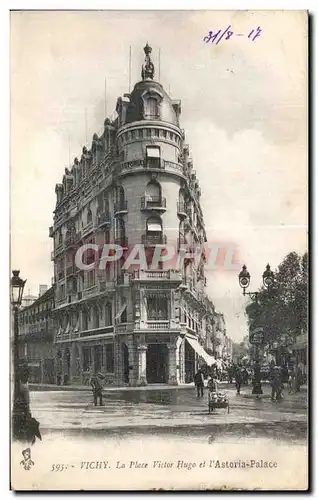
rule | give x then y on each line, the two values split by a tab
152	109
151	104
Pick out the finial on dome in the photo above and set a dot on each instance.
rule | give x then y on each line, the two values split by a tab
148	69
147	49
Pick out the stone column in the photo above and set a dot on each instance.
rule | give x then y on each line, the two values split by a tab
131	361
92	359
142	365
80	350
172	348
182	363
73	374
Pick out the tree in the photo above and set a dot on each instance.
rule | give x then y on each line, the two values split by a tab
282	311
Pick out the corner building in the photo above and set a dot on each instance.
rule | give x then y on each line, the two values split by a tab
135	185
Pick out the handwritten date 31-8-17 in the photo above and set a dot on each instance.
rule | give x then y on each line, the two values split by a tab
217	36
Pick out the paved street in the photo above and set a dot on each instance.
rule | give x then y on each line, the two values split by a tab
154	438
170	411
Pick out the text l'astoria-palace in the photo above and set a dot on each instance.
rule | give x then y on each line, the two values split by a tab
135	185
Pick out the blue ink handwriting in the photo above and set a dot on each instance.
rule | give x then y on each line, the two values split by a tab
217	36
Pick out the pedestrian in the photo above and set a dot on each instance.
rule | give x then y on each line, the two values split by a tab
97	387
230	375
212	384
275	379
238	380
299	377
199	382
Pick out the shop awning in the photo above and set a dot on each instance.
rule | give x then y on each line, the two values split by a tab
153	152
154	226
210	360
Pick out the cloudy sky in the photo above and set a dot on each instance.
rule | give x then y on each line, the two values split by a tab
243	110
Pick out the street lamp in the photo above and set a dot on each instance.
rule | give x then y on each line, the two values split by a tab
256	336
16	290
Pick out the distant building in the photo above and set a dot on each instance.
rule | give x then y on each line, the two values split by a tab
42	289
28	299
36	334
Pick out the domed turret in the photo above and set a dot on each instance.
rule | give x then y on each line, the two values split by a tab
149	100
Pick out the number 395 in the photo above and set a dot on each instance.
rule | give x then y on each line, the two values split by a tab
58	467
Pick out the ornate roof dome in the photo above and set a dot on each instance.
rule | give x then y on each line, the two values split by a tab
149	100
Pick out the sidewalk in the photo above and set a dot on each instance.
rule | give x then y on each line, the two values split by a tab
111	388
151	387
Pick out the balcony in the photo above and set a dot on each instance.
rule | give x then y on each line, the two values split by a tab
121	207
153	239
90	290
97	331
157	325
181	210
123	278
122	241
87	229
51	232
57	250
60	275
105	286
140	165
104	220
158	275
174	168
71	239
153	203
70	270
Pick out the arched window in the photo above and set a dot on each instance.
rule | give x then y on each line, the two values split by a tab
153	191
84	320
181	195
108	314
96	317
89	215
120	195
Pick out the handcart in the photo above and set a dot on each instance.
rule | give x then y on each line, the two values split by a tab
218	400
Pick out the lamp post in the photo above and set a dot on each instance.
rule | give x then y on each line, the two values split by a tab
256	336
17	287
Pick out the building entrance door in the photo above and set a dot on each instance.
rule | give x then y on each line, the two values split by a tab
157	364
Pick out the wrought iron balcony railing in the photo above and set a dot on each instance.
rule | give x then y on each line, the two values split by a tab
122	241
153	239
153	203
121	207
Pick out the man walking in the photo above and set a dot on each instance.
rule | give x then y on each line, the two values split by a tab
276	383
238	379
97	388
199	382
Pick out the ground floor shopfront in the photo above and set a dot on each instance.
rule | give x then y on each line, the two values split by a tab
129	359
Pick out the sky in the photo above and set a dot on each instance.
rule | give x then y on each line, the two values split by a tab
244	112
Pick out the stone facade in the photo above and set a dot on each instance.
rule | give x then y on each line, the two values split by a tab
36	335
135	185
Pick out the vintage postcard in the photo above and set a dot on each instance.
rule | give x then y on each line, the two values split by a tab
159	250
